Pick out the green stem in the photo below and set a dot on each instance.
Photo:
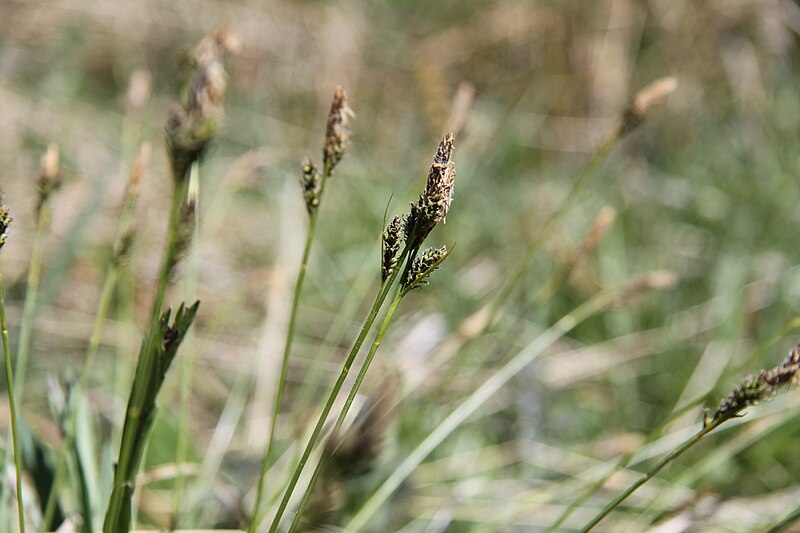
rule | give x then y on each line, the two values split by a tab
31	296
373	313
133	433
188	360
13	407
650	474
287	349
349	402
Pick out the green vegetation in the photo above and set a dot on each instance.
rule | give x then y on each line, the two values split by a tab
620	266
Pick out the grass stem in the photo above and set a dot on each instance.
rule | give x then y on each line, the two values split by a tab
647	476
287	349
349	401
13	408
373	313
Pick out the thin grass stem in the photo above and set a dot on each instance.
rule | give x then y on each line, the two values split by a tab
31	296
647	476
349	401
13	408
287	349
373	313
187	366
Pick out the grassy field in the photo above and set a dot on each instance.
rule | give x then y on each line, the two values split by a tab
601	290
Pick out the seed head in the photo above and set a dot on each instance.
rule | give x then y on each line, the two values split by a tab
434	203
192	126
312	184
5	221
49	179
336	134
647	98
423	266
392	239
757	388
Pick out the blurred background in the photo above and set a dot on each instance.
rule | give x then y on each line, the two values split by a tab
706	188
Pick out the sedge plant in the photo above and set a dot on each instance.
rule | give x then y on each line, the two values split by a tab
313	182
401	254
189	131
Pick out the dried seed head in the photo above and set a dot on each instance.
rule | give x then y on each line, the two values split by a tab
336	134
191	127
392	239
423	266
648	97
312	184
757	388
434	203
5	221
49	179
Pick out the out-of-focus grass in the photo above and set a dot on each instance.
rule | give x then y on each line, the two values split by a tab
707	187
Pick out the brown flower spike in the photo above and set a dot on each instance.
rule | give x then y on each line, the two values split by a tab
434	203
336	134
757	388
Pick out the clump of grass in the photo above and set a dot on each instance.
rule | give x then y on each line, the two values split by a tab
5	222
189	131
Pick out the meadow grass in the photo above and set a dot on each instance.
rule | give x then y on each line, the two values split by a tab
538	383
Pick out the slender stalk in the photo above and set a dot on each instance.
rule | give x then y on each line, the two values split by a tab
29	306
650	474
188	360
287	349
131	446
349	402
31	296
13	408
373	313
